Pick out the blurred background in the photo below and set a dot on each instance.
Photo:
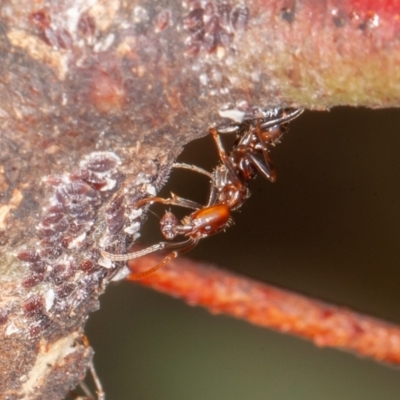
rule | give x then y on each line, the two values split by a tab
329	228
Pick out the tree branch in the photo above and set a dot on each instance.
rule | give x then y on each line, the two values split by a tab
97	100
220	291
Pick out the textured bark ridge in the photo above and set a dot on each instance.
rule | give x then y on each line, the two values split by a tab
98	98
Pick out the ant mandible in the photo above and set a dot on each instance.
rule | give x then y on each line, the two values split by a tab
229	188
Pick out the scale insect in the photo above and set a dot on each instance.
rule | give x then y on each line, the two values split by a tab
229	187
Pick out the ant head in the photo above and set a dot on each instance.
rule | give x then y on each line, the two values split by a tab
168	224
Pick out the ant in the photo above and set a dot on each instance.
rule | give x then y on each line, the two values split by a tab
229	187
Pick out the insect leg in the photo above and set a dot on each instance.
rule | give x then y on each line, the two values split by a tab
212	197
136	254
186	246
265	165
99	388
174	200
145	251
225	159
193	168
96	380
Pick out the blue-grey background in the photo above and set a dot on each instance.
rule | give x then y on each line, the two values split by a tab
329	227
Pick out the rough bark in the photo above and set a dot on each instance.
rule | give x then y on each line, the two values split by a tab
98	98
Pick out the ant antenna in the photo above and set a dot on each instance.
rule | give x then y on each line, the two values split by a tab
154	213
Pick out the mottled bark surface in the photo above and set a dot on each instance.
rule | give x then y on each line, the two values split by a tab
98	98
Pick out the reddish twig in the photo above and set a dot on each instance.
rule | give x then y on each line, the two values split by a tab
264	305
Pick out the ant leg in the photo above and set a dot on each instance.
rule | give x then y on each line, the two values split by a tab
147	250
225	159
99	388
136	254
191	243
182	202
212	197
85	389
174	200
96	380
193	168
263	165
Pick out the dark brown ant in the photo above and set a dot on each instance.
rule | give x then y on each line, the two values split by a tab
228	191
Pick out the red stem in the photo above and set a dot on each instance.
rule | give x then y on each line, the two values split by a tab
264	305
